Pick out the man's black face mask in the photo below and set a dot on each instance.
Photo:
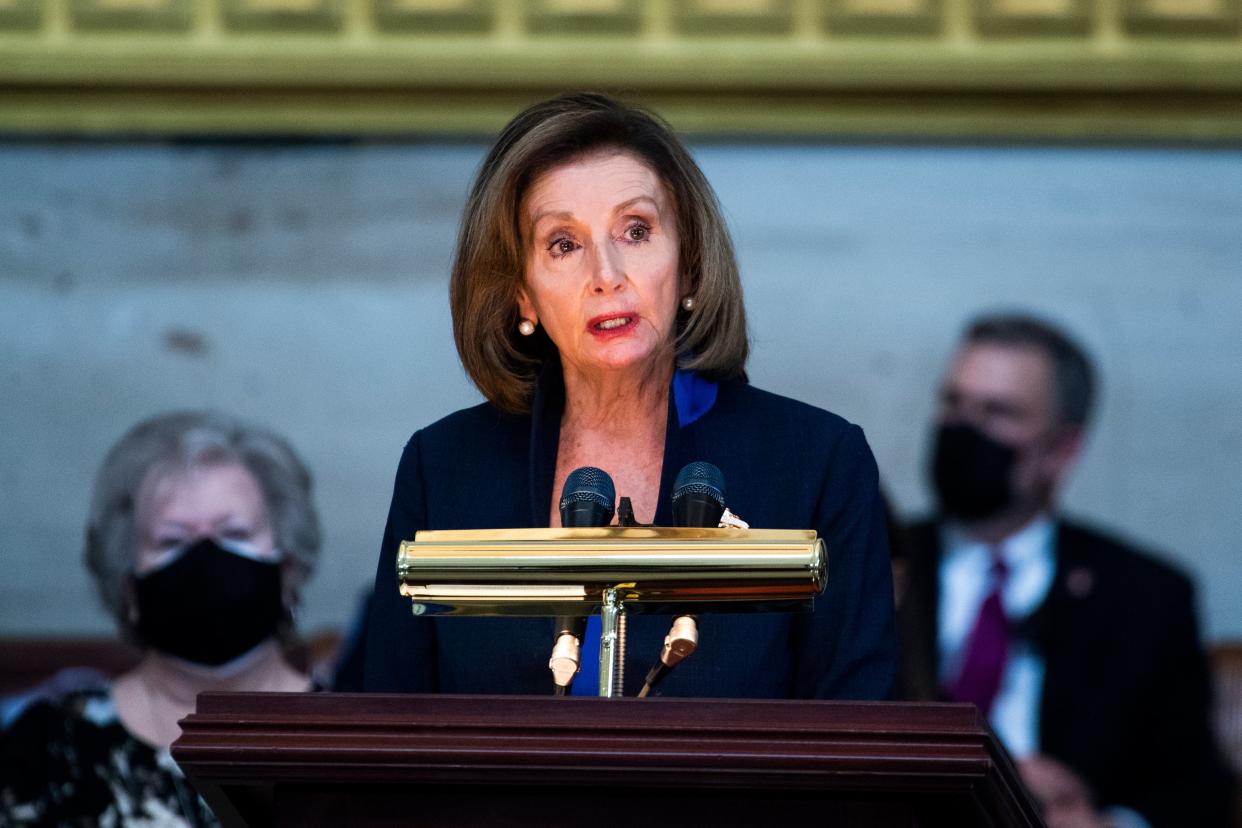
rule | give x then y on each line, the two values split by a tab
209	605
971	472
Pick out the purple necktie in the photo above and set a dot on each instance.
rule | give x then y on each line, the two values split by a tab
988	646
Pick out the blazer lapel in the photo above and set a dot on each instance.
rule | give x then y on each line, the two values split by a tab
678	446
1060	632
545	439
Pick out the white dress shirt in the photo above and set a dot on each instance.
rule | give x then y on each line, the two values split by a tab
965	580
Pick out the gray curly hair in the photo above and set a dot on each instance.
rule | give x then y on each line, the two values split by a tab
185	440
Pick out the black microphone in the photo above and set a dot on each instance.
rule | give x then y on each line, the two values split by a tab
698	496
698	500
588	499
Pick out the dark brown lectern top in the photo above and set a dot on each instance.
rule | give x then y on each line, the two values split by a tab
346	759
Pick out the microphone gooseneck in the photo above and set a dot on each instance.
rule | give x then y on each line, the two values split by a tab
698	495
588	499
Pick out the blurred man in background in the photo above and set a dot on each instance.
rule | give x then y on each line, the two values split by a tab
1082	651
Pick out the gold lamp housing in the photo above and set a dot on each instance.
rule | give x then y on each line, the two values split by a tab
651	569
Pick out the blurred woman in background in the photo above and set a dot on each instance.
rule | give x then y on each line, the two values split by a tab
201	533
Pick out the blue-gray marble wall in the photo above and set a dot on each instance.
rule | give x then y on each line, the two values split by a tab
304	286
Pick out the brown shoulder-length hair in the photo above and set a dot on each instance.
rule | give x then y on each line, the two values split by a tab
490	261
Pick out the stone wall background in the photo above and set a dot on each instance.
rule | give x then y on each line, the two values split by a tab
304	286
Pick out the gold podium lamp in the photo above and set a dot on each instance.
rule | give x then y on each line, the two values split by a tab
611	570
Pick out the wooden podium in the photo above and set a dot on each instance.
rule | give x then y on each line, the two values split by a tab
368	759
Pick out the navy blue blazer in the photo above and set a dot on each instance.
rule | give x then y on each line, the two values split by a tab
786	465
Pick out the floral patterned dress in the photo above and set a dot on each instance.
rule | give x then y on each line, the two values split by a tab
72	763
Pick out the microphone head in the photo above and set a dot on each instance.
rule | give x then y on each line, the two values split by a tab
588	499
698	495
699	478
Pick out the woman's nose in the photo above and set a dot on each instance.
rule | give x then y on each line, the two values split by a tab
608	272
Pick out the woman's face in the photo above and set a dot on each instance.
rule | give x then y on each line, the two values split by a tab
221	501
602	262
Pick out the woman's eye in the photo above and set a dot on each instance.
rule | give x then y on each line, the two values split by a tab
638	232
236	534
562	247
168	542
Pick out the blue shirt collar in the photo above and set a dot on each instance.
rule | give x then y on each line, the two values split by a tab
693	396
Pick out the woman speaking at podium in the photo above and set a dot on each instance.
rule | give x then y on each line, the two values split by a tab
597	306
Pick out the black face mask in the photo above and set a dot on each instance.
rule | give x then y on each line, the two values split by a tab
971	472
209	605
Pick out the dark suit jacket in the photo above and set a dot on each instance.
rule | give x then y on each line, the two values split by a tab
1126	699
786	465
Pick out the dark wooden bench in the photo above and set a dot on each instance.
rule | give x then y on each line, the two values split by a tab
25	662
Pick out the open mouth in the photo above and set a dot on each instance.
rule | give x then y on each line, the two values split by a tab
612	324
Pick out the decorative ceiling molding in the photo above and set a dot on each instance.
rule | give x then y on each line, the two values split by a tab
1157	70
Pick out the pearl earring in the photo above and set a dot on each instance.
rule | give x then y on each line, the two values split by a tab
688	303
526	327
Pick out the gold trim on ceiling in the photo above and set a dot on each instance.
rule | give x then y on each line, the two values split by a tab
1165	70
